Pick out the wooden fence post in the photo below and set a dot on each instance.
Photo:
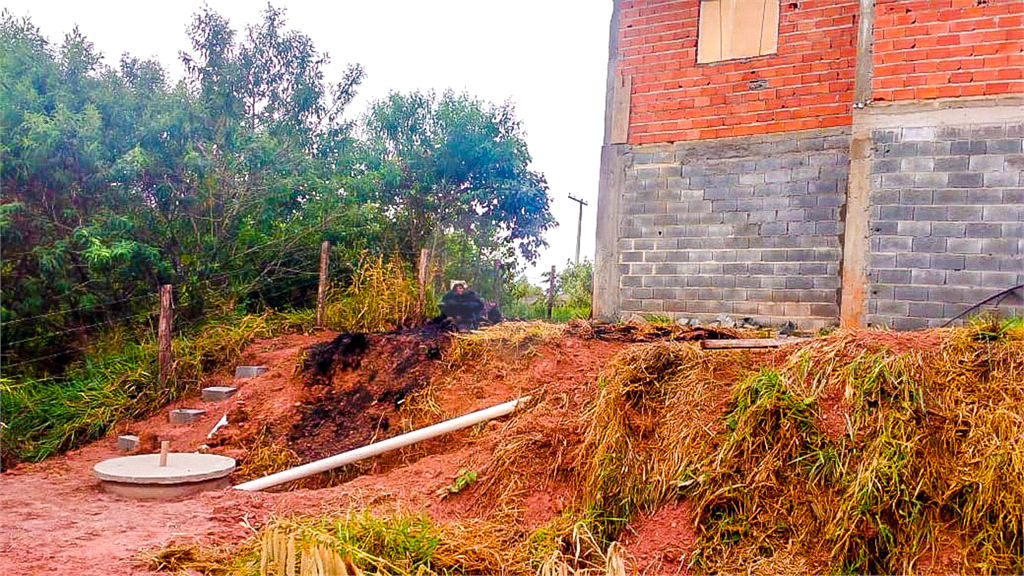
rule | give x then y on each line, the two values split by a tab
497	283
321	290
551	292
422	279
164	333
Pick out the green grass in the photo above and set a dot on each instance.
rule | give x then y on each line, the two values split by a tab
539	311
117	380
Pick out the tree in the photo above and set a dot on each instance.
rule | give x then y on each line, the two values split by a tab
455	163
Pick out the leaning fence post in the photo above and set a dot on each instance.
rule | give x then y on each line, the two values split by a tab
321	290
422	278
164	333
551	292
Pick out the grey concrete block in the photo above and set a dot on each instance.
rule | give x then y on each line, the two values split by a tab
949	196
963	213
982	262
984	196
893	276
925	310
1002	213
986	163
948	261
931	180
914	228
185	415
218	393
250	371
989	132
965	278
918	134
127	442
1009	146
893	307
898	180
929	213
983	230
964	245
949	229
967	147
951	164
929	244
1001	179
917	164
965	180
895	244
954	133
933	277
914	260
897	213
1009	246
949	294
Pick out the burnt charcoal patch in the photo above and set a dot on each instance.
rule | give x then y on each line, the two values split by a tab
356	384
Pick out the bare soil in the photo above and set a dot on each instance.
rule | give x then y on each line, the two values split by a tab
57	519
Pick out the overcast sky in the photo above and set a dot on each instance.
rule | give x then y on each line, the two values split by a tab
549	58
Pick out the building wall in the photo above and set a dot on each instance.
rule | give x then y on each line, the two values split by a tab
928	49
748	227
946	220
807	84
783	199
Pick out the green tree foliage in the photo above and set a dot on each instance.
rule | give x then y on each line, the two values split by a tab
577	283
453	163
114	180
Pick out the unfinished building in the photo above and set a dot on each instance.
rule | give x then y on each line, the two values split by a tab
819	161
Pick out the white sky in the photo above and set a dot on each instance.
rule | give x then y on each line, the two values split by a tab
548	57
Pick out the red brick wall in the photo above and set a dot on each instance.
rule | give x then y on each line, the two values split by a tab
810	79
946	48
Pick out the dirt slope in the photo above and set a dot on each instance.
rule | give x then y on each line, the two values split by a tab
56	519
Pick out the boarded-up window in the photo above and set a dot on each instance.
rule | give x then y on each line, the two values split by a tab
737	29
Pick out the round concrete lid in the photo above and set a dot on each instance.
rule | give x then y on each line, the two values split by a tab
181	467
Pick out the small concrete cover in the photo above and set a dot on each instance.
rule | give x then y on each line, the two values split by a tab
181	467
250	371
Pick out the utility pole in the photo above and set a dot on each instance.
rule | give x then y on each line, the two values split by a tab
579	226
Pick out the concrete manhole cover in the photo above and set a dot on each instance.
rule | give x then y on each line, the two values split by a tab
142	476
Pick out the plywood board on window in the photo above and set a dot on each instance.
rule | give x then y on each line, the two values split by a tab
730	29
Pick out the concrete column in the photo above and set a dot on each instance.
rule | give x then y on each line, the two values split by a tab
612	180
855	239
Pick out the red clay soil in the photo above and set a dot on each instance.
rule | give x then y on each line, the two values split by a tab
661	543
56	518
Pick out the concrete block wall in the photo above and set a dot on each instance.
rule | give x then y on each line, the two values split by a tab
946	220
748	227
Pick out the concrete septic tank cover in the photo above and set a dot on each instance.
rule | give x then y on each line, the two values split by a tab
185	473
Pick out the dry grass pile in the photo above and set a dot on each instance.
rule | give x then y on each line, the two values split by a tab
858	453
509	340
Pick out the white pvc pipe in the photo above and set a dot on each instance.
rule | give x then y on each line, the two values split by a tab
381	447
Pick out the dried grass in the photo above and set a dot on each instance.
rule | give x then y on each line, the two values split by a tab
507	340
930	444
